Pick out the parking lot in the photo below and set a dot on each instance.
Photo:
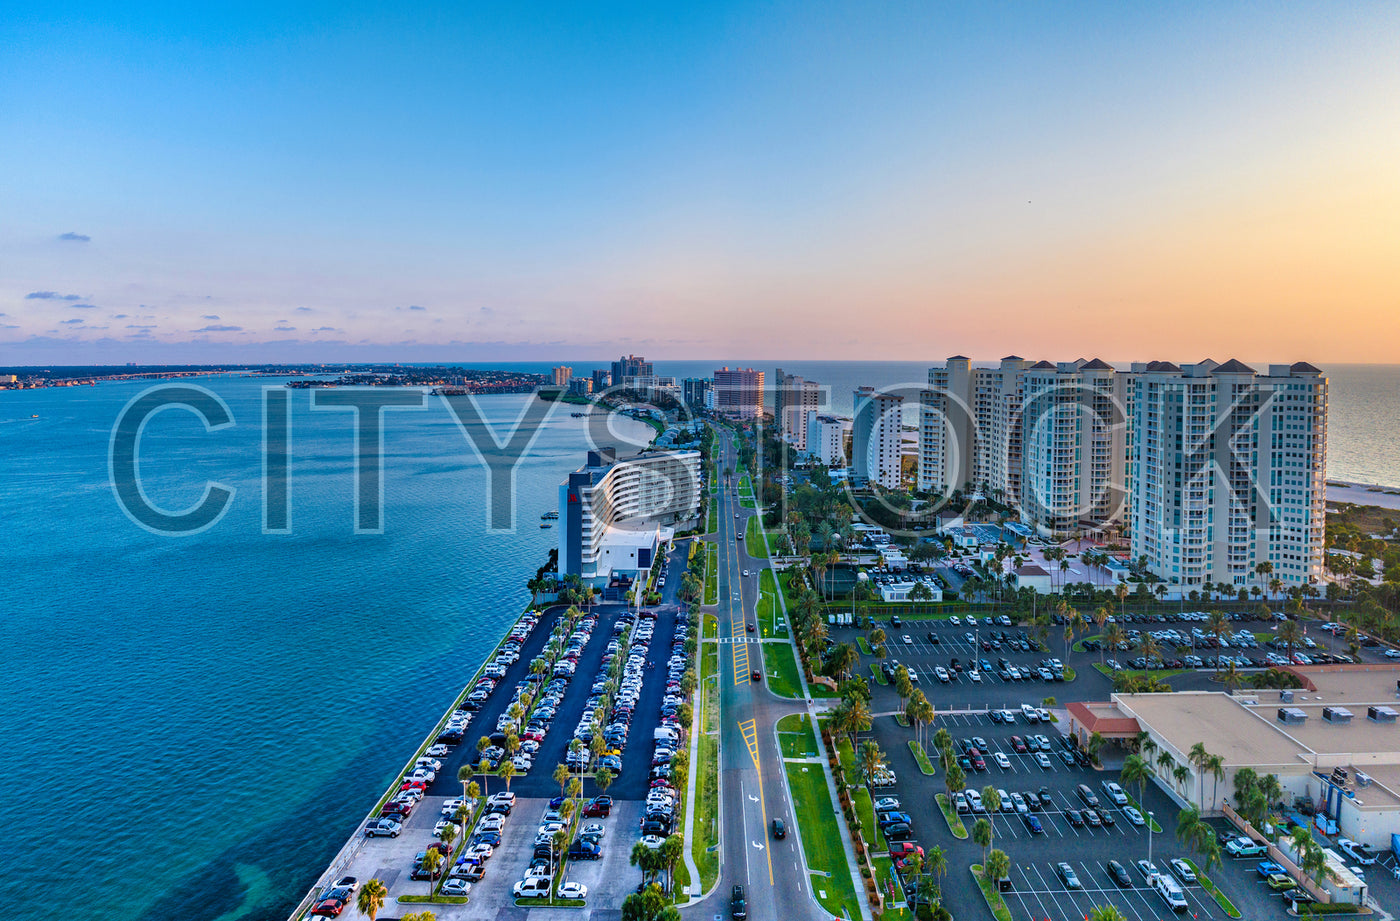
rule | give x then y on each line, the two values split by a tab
643	649
1038	892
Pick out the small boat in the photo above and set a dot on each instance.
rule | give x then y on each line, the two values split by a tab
546	524
550	516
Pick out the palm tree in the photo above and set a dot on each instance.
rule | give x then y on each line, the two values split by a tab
484	767
936	862
670	851
1135	771
991	799
506	771
1188	825
1105	913
432	859
982	835
372	897
942	739
870	759
1231	678
1181	773
1196	757
1290	632
997	865
1121	591
1216	765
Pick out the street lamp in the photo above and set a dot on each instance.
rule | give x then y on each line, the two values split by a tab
1149	837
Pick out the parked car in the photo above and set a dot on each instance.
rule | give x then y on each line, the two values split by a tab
1068	875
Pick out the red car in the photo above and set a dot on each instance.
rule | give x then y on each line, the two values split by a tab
332	903
598	807
1018	745
904	849
414	785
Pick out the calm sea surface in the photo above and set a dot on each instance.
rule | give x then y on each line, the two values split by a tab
230	703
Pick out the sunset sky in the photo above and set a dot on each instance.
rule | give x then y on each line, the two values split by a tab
333	182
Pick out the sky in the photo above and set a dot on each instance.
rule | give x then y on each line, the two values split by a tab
905	181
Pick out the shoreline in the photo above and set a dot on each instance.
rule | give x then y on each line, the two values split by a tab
1373	494
357	838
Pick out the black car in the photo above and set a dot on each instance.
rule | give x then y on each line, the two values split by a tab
738	908
933	638
1076	818
779	829
898	832
1119	875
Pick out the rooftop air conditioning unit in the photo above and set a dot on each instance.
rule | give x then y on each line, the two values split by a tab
1381	714
1286	696
1292	716
1336	714
1363	780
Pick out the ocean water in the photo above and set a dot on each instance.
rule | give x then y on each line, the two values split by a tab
229	704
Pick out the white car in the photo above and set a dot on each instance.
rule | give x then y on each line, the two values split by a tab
653	841
537	888
1133	815
572	890
594	829
481	851
908	640
975	676
437	751
955	621
1043	760
1002	761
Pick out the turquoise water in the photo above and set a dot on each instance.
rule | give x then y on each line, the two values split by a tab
233	702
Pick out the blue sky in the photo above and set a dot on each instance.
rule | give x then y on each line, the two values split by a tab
260	182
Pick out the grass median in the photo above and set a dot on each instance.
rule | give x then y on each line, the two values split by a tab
705	848
989	892
780	665
796	738
950	815
1208	885
753	539
921	756
768	612
816	818
711	574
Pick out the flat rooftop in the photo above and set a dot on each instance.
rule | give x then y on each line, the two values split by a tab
1228	728
1348	685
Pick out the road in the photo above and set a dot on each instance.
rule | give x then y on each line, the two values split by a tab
752	788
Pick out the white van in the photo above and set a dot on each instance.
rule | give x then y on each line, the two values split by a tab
1170	892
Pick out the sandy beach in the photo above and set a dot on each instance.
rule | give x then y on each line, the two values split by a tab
1363	494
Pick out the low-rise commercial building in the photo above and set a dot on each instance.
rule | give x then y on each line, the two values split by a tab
1335	743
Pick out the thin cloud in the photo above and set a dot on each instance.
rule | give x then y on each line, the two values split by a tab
74	320
84	306
8	327
325	329
135	326
211	316
305	310
412	307
51	296
285	329
71	237
120	316
220	329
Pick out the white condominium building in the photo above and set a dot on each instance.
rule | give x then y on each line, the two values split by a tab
1072	446
1226	471
826	439
793	399
876	437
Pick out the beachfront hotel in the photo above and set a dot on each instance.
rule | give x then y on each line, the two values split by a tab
1226	470
615	514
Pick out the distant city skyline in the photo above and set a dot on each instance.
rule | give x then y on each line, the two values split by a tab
341	183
